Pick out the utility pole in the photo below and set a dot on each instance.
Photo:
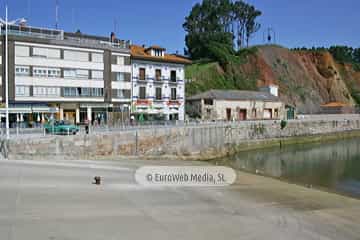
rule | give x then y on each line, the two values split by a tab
7	75
57	14
6	23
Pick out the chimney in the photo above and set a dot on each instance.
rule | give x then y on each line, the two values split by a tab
272	89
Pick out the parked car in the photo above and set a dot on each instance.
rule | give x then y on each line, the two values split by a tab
61	128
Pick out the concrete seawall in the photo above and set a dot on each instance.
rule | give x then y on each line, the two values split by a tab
189	142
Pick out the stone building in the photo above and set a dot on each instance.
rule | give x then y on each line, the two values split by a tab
234	105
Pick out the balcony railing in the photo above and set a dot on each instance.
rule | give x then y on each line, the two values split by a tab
54	36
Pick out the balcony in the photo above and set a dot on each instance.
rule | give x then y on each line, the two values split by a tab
55	34
45	34
160	80
173	103
143	102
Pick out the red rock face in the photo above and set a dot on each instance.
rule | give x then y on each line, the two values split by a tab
306	79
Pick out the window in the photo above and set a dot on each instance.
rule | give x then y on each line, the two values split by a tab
22	91
85	92
173	93
120	76
39	72
70	92
173	76
158	52
46	52
208	102
46	91
53	91
83	74
76	56
22	51
97	92
76	73
158	74
97	75
46	72
97	57
122	93
142	74
158	94
126	93
276	113
69	73
54	72
142	92
127	61
22	71
120	60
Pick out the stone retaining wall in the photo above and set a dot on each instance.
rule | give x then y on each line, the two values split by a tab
195	142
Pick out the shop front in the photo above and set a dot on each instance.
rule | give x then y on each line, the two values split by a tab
28	115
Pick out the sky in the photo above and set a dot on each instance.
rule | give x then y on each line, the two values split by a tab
296	23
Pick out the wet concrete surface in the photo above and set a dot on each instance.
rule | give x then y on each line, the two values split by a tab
55	200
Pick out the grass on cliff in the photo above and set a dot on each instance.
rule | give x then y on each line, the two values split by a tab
225	73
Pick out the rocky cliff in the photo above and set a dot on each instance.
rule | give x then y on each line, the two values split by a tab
306	79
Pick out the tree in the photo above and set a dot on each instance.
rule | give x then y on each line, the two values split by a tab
212	21
251	25
239	16
356	55
342	54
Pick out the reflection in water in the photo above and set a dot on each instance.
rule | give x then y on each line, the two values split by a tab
333	165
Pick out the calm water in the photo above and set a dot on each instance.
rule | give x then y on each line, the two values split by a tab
333	165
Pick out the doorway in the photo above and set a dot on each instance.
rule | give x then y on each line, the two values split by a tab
228	114
242	114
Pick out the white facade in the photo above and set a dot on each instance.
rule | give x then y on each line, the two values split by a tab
272	89
164	85
72	80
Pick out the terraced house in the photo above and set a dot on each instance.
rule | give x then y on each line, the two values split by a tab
69	76
158	83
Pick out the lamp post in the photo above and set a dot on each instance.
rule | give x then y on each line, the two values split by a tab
6	23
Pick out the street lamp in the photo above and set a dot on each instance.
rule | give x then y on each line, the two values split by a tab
6	23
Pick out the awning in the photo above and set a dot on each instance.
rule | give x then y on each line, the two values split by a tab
45	110
16	110
29	110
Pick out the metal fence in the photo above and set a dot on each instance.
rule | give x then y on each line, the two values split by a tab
39	131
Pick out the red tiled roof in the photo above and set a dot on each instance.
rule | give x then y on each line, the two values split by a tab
138	52
156	47
335	104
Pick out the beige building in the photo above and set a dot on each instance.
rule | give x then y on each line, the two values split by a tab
233	105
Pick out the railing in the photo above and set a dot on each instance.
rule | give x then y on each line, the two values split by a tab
59	35
135	125
35	34
122	44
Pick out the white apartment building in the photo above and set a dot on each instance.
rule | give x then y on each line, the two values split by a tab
69	76
158	84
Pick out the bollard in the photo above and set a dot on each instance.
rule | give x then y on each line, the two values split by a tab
136	142
97	180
